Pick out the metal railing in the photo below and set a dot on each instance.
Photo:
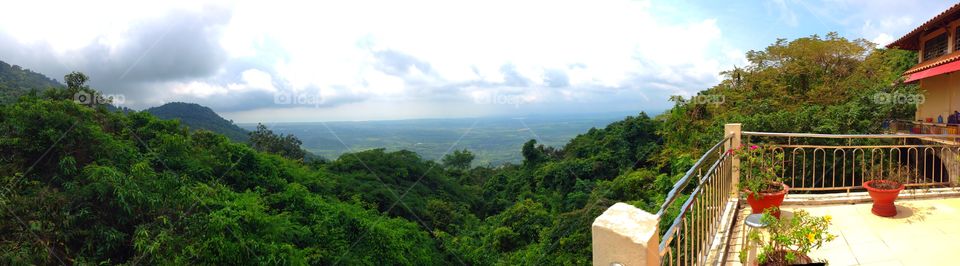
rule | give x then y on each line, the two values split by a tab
690	236
693	213
917	127
822	162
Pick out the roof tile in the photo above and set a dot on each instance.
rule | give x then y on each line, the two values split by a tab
940	60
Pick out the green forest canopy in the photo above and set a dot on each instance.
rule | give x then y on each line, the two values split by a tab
92	186
15	81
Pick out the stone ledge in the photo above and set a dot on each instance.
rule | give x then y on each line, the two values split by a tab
625	235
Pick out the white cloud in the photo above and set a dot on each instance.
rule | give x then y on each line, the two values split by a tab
541	52
255	80
605	44
68	25
882	39
198	89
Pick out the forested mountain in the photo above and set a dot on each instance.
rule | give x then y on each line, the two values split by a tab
89	186
197	116
16	81
814	84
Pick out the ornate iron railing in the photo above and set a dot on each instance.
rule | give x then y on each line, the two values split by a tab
822	162
693	214
695	222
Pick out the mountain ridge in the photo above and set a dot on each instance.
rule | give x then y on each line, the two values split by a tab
197	116
16	81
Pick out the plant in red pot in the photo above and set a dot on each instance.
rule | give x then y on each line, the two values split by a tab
884	188
759	179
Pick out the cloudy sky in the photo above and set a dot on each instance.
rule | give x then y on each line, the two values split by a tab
275	61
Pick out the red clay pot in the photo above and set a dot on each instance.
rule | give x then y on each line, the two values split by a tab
883	198
767	200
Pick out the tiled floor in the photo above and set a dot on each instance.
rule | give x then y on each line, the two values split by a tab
925	232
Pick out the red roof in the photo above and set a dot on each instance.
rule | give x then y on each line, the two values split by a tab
940	60
911	41
930	72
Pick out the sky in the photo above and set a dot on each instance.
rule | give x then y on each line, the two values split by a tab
303	61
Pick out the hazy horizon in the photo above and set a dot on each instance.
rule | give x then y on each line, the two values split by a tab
494	140
620	114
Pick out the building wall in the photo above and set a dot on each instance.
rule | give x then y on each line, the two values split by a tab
941	96
942	92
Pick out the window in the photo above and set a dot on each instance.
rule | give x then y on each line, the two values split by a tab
935	47
956	39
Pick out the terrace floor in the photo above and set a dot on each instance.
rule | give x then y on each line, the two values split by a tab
925	232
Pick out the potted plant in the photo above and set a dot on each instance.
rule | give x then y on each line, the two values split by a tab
759	178
788	241
884	188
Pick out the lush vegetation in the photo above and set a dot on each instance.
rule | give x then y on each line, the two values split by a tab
761	173
814	84
789	240
16	81
88	185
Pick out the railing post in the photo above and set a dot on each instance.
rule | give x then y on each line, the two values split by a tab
734	131
625	235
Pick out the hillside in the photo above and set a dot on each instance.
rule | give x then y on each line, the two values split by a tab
15	81
128	188
147	191
197	116
818	84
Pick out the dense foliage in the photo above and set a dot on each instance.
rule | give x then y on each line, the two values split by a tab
265	140
87	185
788	241
813	84
91	186
16	81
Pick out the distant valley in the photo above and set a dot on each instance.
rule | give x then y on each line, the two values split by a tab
494	140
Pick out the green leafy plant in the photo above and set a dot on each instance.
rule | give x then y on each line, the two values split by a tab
759	169
789	239
891	177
